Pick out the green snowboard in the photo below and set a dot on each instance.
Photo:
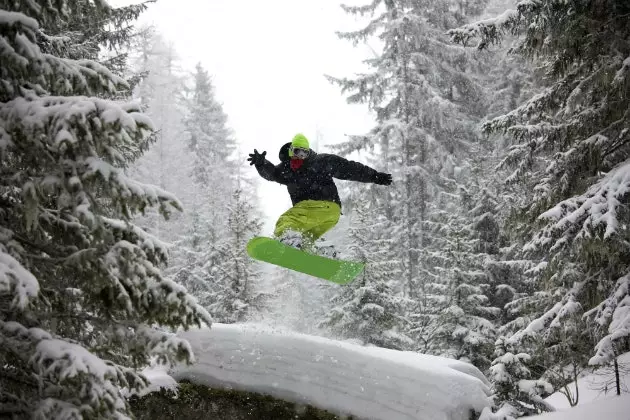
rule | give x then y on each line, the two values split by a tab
274	252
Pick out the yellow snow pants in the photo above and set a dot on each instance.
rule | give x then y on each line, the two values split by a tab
312	218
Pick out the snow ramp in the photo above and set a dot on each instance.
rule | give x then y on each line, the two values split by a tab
344	378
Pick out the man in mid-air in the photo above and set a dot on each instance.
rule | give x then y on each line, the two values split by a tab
309	180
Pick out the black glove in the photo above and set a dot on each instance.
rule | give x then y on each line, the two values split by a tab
382	178
256	158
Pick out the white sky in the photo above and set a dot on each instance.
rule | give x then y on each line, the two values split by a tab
268	60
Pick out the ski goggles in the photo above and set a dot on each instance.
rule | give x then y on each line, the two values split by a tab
299	152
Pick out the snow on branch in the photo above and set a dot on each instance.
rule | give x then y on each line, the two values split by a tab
363	34
515	122
95	138
578	216
14	332
14	18
25	65
364	85
148	242
553	319
63	122
121	185
499	371
361	10
614	312
60	361
536	327
164	345
489	30
142	292
88	381
355	143
16	280
623	72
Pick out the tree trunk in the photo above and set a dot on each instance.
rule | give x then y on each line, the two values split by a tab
617	382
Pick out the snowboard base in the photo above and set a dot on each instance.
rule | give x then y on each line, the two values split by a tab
275	252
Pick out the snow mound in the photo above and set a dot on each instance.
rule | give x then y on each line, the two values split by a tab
345	378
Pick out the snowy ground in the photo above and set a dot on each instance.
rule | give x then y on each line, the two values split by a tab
367	382
590	387
613	408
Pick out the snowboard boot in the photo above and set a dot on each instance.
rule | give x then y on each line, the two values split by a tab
292	238
327	251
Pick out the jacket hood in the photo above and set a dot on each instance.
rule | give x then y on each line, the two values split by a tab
283	155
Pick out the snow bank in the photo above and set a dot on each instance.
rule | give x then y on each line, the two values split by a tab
367	382
617	408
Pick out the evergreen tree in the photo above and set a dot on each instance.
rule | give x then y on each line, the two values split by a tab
213	173
213	168
160	92
368	309
208	132
427	99
471	314
510	81
517	394
234	294
571	149
81	294
88	31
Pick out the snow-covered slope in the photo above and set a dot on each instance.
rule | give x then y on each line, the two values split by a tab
367	382
614	408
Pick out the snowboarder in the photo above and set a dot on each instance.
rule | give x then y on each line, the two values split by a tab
309	180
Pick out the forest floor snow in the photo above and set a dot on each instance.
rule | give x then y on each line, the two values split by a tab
613	408
596	386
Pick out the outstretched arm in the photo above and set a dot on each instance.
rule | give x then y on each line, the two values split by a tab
350	170
265	168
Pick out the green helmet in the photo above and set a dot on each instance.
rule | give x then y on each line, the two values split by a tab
299	141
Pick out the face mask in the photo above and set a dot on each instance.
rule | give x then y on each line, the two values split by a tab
296	163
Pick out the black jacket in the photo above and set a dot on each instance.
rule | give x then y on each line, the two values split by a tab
314	179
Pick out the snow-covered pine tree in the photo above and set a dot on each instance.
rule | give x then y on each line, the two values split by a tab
160	92
489	253
235	293
213	145
512	273
514	280
515	393
81	294
469	238
369	309
219	279
90	33
427	101
213	171
510	78
573	146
